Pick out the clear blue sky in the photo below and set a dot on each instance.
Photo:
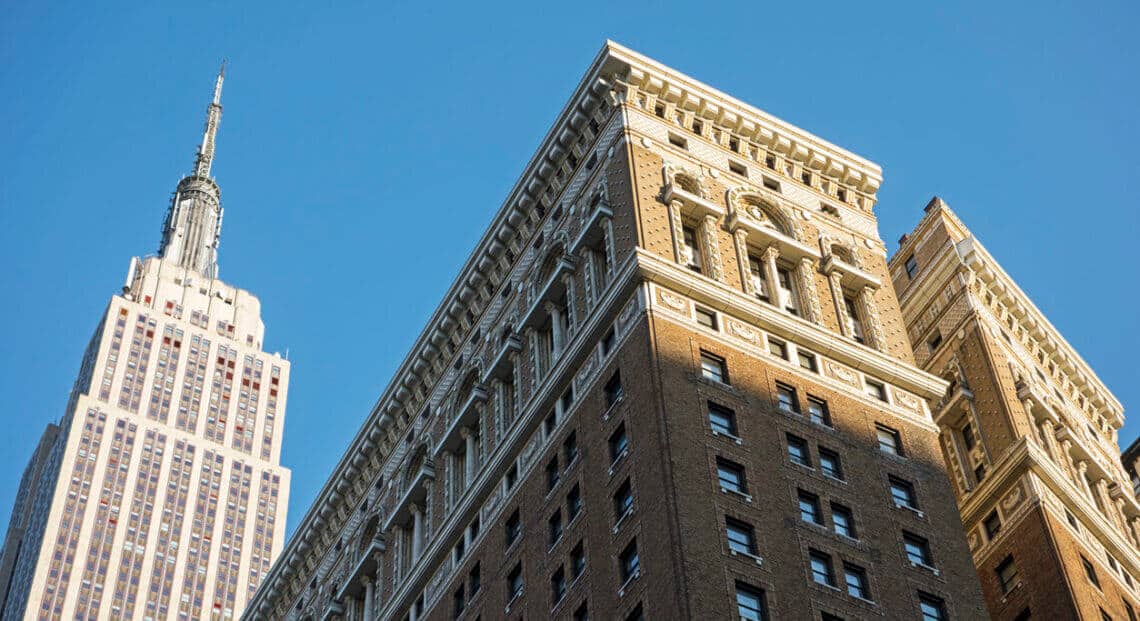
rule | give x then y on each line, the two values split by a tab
364	148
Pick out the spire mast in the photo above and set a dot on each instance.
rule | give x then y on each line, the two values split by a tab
213	119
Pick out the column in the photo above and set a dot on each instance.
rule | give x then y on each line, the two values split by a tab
1082	475
835	282
1048	440
610	255
417	532
872	326
368	593
1067	457
469	457
740	241
712	247
809	296
677	224
555	330
590	259
568	282
773	276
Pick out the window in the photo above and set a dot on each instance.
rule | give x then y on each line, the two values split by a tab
460	602
514	583
830	210
798	451
759	278
1090	572
577	560
731	476
741	537
623	500
512	476
778	348
809	508
980	473
931	607
630	563
853	321
1007	574
613	390
856	578
1131	612
830	464
875	389
582	613
968	436
678	141
554	527
843	520
911	267
713	367
619	443
553	473
570	448
889	440
807	360
737	168
786	398
770	161
935	341
992	524
722	420
821	569
690	249
788	292
608	342
750	603
706	318
817	411
1104	616
558	585
917	549
635	614
771	184
573	503
827	616
513	527
903	493
474	580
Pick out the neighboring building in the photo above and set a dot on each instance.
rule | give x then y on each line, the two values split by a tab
671	381
160	494
1131	460
1028	433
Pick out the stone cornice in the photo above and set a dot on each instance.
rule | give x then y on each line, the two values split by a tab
753	123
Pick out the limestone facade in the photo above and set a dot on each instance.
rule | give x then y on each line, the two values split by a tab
1028	431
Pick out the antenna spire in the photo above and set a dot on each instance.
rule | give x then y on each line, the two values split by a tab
213	119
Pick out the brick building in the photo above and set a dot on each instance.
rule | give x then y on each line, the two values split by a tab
160	494
671	381
1029	434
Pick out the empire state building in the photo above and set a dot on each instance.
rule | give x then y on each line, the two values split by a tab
159	494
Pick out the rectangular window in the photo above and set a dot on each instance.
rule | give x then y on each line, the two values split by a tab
807	360
513	527
722	420
931	607
630	562
619	443
902	492
706	318
514	583
759	277
613	390
577	560
553	474
809	508
843	520
714	367
992	524
558	585
817	411
678	141
771	184
573	503
889	440
474	580
737	168
911	267
935	341
690	249
623	501
778	348
853	321
786	398
830	464
788	296
1007	574
857	585
917	549
750	605
554	527
1090	572
731	476
968	436
821	570
875	389
570	448
798	451
741	537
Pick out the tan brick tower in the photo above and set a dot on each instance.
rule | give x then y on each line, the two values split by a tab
1028	432
160	494
670	382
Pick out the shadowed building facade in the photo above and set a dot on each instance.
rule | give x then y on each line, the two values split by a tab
1029	434
671	381
159	495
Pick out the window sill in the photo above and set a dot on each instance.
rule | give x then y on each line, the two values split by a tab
925	567
514	598
617	461
613	407
834	479
917	512
759	560
729	436
629	582
621	520
742	495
